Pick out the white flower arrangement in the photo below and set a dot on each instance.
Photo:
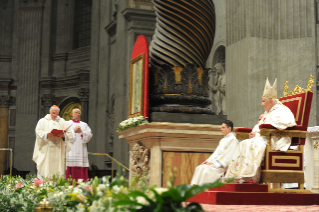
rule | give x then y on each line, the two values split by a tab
132	122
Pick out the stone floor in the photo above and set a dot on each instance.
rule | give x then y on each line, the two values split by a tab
222	208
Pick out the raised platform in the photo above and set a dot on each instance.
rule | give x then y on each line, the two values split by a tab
252	194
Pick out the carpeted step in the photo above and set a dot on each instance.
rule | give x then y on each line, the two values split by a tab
254	198
242	187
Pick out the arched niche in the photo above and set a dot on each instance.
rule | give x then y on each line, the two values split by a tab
67	106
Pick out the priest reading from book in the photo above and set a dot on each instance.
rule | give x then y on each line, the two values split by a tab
216	165
77	159
246	161
49	149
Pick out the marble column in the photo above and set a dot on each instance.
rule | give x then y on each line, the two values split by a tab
84	97
5	101
28	59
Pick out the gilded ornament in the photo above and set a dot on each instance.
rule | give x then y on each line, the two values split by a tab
310	83
316	145
298	89
178	77
286	89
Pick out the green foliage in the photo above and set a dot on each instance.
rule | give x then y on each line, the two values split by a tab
98	194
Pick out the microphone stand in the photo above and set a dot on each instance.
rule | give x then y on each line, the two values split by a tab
64	147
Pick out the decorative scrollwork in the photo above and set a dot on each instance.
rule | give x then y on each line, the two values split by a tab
139	160
6	101
84	94
310	83
188	80
298	89
286	89
47	99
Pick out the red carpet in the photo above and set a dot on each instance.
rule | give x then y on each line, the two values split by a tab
256	208
252	194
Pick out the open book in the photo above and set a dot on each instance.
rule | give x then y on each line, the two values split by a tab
57	132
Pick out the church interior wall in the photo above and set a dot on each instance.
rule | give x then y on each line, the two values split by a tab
270	39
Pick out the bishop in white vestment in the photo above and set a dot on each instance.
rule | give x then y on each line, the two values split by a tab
246	161
216	165
77	158
49	149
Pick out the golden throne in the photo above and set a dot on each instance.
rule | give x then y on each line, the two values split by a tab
286	167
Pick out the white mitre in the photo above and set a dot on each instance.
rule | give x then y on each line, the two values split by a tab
270	91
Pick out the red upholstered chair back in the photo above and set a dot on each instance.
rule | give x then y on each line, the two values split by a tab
300	105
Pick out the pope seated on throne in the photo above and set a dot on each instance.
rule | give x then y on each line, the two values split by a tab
245	165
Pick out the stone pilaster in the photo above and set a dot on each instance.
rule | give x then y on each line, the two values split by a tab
315	187
29	68
84	97
5	101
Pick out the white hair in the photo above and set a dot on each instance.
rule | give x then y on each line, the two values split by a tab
75	109
54	107
274	100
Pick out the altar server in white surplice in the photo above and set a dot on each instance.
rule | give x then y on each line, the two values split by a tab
245	163
77	159
49	149
216	165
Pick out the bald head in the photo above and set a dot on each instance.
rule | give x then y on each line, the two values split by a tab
76	114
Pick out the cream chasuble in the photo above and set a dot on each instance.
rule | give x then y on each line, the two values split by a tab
245	163
78	155
220	158
49	152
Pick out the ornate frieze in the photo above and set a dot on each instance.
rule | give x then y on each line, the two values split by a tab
139	161
6	101
47	100
179	89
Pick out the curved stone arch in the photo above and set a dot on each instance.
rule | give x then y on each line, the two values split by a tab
67	105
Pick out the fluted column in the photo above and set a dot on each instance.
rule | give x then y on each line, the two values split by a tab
5	101
84	96
29	68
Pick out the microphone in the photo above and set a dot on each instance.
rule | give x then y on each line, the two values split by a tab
61	129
